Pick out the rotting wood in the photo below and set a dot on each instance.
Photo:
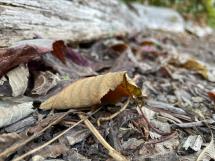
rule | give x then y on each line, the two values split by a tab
75	20
78	20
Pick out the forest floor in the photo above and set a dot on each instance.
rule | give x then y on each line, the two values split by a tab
175	71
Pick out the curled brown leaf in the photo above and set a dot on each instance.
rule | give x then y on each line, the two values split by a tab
105	89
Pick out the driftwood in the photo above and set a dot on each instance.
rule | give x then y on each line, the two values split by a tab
73	20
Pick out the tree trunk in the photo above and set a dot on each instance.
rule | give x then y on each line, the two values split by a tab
73	20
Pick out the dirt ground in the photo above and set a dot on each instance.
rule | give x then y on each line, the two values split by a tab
175	122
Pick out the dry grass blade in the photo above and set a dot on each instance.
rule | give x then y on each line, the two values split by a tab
52	140
15	147
111	151
113	115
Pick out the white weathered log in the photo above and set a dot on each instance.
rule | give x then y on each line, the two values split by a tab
74	20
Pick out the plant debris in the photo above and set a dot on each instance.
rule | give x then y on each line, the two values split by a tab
146	96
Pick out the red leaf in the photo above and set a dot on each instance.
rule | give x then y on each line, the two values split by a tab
59	50
211	94
12	57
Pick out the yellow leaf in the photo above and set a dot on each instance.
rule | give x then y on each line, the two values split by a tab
102	89
189	62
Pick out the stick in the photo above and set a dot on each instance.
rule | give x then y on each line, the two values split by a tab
14	148
113	115
54	139
111	151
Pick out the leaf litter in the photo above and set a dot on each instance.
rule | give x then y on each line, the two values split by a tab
101	77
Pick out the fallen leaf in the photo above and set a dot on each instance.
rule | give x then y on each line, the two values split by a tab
123	63
18	79
9	115
84	93
71	69
208	152
116	46
27	50
211	94
57	47
77	57
191	63
44	82
59	50
12	57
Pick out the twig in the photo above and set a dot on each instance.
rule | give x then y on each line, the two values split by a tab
14	148
165	106
162	139
195	124
111	151
54	139
113	115
149	124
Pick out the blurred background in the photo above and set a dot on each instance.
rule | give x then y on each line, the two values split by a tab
199	11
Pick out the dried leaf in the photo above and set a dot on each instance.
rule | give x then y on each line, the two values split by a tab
211	94
123	63
77	57
189	62
116	46
59	50
209	151
9	115
44	82
70	69
108	88
18	79
12	57
27	50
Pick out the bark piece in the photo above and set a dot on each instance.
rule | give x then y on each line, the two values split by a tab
9	115
21	125
18	79
44	82
79	20
76	136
